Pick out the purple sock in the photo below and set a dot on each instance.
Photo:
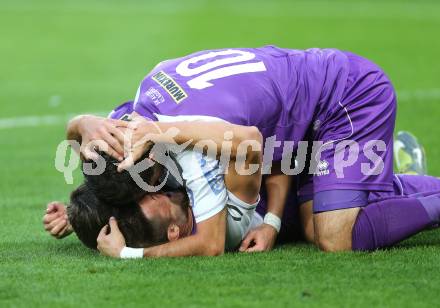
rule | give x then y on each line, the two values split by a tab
432	206
387	222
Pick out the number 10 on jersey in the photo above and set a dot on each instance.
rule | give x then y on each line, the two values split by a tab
220	68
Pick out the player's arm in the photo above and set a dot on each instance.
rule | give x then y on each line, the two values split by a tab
243	178
263	238
196	131
277	186
193	132
208	241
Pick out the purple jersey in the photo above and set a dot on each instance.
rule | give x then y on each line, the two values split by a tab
280	91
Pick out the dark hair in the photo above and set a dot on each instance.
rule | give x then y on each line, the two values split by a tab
88	215
117	188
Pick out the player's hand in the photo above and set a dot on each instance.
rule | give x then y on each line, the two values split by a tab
98	133
261	238
111	243
55	220
139	138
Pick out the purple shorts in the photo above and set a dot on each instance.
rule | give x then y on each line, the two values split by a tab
356	150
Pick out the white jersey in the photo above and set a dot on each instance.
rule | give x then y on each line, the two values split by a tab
204	178
205	185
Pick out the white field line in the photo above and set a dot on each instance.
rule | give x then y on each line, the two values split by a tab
53	120
419	94
37	121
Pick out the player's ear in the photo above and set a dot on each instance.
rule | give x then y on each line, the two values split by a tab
173	232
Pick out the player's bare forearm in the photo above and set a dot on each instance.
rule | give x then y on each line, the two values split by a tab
244	182
263	237
208	241
193	245
196	131
277	187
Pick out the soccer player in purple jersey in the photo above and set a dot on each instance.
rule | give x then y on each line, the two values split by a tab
324	95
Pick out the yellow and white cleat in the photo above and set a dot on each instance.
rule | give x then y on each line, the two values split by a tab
409	155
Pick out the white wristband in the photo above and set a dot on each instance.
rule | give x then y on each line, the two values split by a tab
272	220
132	253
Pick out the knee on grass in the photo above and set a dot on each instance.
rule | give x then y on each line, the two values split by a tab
333	230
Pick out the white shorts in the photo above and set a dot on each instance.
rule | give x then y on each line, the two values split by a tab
241	218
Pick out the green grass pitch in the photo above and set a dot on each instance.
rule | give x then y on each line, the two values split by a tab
66	57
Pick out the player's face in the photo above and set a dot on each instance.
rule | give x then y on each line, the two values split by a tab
165	206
